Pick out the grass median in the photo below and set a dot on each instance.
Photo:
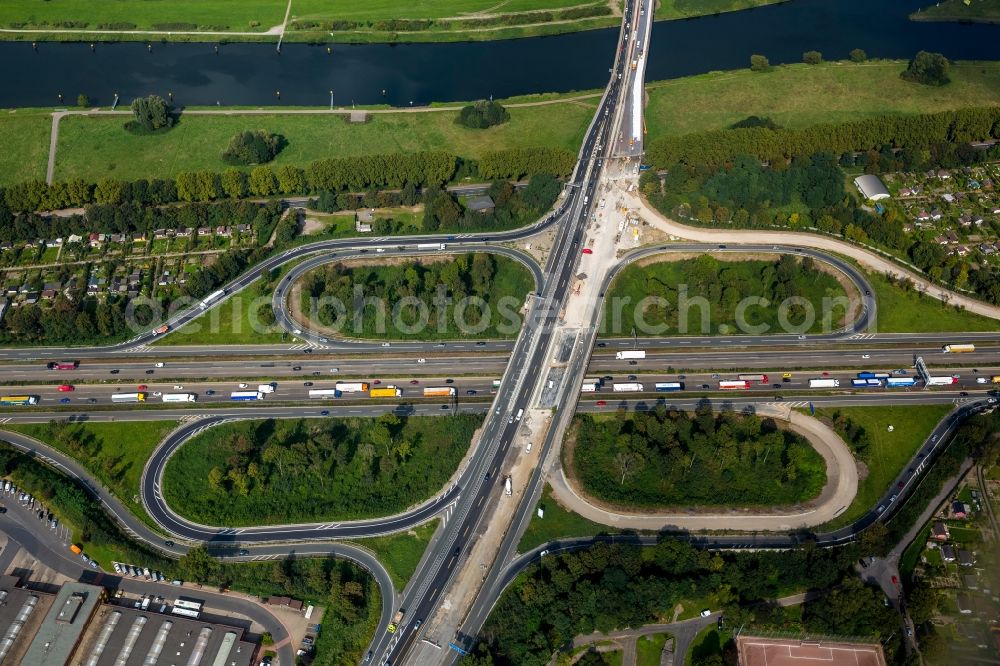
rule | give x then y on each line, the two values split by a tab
400	553
882	454
115	453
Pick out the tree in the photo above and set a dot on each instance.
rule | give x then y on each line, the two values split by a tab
82	101
151	113
812	57
929	69
234	183
262	181
199	565
627	463
248	148
215	477
759	63
482	114
858	55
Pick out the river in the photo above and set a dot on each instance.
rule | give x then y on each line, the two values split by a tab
404	74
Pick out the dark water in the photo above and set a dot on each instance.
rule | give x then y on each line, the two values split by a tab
251	74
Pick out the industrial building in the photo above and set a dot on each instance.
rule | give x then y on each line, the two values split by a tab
76	626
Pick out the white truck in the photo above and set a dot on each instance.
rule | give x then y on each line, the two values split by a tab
824	383
179	397
628	387
508	489
352	387
431	246
631	354
211	298
266	388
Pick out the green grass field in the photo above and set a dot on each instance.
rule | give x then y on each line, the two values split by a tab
400	553
146	14
649	648
25	135
92	147
985	11
374	10
902	311
890	451
801	95
557	523
677	9
115	453
237	321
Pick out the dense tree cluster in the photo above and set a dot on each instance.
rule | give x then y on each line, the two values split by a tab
918	131
255	147
665	457
438	286
855	434
930	69
255	472
610	587
482	114
150	114
358	173
443	213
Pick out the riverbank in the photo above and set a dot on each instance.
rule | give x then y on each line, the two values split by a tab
93	147
313	21
959	11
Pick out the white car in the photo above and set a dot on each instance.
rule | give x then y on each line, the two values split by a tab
385	344
244	386
157	394
160	364
297	331
421	360
982	380
706	613
866	356
178	387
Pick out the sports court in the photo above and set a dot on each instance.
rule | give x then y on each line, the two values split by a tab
754	651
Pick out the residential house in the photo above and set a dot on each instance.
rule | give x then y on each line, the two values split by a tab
139	238
74	238
951	236
184	232
961	250
923	216
204	231
940	531
118	238
54	243
958	509
6	245
222	231
971	581
987	249
936	214
947	553
966	558
363	220
484	204
243	228
965	220
31	297
943	175
950	198
48	294
160	234
293	604
964	603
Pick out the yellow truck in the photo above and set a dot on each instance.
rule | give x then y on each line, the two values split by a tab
385	392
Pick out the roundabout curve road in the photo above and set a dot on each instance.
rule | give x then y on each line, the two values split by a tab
279	301
839	491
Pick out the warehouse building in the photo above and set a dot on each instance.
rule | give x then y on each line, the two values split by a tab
871	187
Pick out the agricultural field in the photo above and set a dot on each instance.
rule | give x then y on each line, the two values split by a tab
800	95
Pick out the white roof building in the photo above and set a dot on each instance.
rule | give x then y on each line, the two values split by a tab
871	187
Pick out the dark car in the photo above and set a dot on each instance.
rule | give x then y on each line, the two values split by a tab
444	406
414	381
487	477
964	394
149	372
244	552
778	398
449	381
608	378
471	392
480	344
91	400
316	373
633	362
64	401
325	412
168	544
296	368
458	549
115	371
602	344
307	383
632	378
210	392
705	386
777	386
307	350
